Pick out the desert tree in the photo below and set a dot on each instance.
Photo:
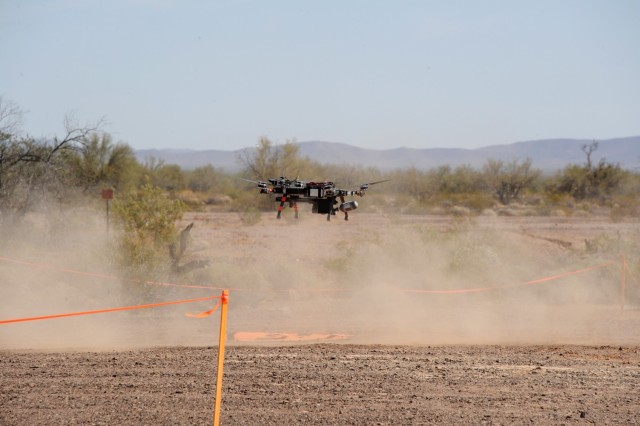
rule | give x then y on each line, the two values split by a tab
464	179
601	179
202	179
101	162
169	177
591	180
207	179
269	160
11	118
412	182
30	169
507	180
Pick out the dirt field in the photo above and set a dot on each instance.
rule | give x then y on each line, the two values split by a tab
326	384
410	320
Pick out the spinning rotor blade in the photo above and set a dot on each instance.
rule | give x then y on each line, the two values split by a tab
380	181
365	186
259	183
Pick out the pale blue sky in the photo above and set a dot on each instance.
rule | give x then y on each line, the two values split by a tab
374	74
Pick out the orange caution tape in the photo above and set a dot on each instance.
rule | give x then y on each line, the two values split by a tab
45	266
104	276
205	313
101	311
630	276
454	291
538	281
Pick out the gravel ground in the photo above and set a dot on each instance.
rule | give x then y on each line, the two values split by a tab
325	384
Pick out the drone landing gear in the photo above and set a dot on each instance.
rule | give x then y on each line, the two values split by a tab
282	201
293	204
333	210
346	213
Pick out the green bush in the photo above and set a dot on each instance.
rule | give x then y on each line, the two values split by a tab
148	220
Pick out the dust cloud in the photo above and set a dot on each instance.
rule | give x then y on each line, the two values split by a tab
379	279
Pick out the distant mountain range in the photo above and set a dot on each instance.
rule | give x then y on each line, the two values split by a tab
547	155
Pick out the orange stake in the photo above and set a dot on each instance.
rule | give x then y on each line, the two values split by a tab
221	341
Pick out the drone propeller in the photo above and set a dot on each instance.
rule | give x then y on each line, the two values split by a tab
365	186
259	183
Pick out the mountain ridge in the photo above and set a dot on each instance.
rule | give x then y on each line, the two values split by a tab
546	154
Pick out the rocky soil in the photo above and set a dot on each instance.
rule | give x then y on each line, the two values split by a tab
325	384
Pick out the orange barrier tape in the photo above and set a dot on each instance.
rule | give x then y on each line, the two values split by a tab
101	311
104	276
44	266
158	283
328	290
205	313
538	281
633	279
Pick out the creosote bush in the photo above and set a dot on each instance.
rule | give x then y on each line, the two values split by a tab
148	222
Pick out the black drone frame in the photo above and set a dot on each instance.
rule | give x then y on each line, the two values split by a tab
323	196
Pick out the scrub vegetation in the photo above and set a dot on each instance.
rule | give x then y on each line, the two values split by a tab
62	176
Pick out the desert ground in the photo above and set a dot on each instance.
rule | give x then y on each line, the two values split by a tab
384	319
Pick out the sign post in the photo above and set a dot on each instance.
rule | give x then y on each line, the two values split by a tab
107	194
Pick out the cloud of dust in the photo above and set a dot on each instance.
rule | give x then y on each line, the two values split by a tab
363	278
55	264
379	273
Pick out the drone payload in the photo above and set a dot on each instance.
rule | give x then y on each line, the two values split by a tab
323	196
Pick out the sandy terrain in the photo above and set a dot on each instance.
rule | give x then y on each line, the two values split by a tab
412	320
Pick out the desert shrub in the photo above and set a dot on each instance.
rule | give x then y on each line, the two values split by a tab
508	180
101	163
624	206
269	160
250	215
590	181
148	221
341	262
475	202
193	201
203	179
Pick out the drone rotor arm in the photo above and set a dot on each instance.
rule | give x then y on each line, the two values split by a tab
377	182
261	184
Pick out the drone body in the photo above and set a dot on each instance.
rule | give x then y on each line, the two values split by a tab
323	196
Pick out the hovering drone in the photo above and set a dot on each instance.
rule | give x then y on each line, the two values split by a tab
323	196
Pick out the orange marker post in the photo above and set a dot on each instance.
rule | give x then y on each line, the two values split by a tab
222	339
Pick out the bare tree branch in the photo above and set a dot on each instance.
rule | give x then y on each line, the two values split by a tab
11	118
74	135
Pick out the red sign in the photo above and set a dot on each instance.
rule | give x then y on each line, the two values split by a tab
107	194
